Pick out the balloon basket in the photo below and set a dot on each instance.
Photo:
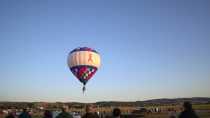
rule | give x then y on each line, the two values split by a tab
83	89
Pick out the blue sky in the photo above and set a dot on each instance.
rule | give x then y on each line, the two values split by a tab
149	49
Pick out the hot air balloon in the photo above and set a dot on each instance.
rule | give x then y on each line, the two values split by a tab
83	63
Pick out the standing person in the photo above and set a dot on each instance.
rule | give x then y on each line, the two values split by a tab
10	115
48	114
116	113
90	112
24	114
188	111
64	114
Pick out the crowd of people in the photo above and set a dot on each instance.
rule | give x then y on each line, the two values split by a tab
90	112
24	114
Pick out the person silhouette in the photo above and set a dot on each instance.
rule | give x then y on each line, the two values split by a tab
188	111
90	112
24	114
116	113
11	114
47	114
64	114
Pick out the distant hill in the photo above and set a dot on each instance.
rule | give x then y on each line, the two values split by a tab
194	100
164	101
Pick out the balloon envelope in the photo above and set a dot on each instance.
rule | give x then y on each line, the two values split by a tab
83	63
